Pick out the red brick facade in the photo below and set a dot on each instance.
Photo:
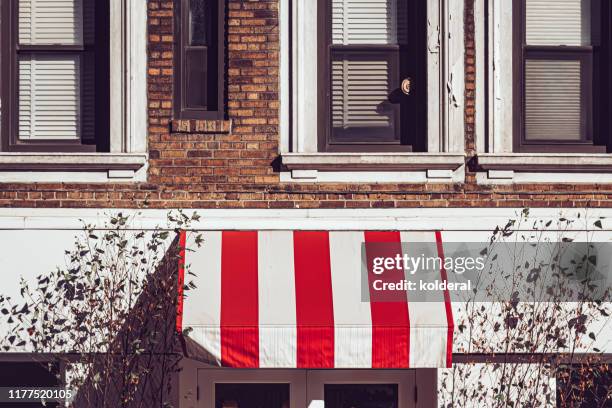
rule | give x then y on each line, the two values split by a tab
212	165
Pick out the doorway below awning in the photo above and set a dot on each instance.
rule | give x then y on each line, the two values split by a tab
203	387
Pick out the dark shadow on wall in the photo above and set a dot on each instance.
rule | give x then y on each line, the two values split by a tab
141	369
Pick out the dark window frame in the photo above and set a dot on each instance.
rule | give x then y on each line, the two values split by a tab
9	87
216	75
595	132
403	142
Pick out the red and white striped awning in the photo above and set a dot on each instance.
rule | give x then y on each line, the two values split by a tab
292	299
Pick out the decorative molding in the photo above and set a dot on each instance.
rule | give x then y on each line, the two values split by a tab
136	48
128	76
373	161
410	219
545	162
81	162
501	174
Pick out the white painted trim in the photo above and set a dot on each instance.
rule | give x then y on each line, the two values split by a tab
71	161
546	161
501	174
409	219
546	178
206	378
284	85
303	174
481	64
502	76
71	167
435	105
117	77
137	105
305	96
498	24
454	76
445	70
128	73
440	174
374	167
405	380
424	176
69	176
357	161
548	168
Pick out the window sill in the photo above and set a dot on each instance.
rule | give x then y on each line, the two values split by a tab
75	167
516	168
373	161
373	167
546	162
201	126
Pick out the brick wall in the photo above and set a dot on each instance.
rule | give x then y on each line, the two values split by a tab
208	165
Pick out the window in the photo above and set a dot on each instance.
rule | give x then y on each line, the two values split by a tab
67	113
198	87
231	388
562	54
254	395
371	388
361	395
373	81
372	87
55	75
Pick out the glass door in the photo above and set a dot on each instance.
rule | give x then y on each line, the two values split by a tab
272	388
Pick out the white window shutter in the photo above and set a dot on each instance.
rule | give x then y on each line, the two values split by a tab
364	22
558	22
553	99
49	97
51	22
360	92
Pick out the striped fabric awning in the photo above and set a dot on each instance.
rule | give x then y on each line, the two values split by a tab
293	299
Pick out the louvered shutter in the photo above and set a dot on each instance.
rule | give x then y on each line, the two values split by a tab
49	97
50	83
555	76
553	99
360	92
364	22
363	78
558	22
50	22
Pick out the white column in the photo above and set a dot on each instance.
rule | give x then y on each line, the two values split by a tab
305	70
117	76
136	76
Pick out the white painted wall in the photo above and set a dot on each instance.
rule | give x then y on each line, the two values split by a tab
33	241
